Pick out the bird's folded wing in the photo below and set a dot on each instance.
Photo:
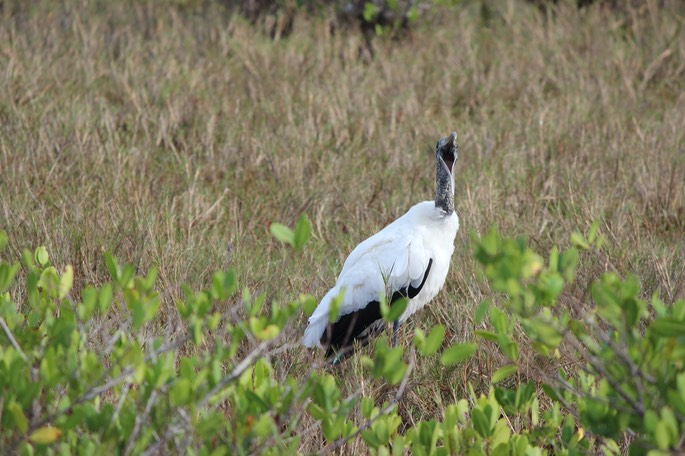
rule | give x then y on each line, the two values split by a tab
383	267
379	265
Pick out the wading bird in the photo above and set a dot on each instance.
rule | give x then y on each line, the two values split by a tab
408	258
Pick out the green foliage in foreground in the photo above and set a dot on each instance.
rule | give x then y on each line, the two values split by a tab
66	388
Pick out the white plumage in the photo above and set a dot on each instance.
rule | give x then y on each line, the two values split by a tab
410	257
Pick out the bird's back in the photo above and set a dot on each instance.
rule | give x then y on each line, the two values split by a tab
397	256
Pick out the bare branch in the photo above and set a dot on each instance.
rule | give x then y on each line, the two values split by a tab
400	391
247	362
96	391
9	335
139	422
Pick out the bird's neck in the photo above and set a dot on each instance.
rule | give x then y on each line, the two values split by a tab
444	190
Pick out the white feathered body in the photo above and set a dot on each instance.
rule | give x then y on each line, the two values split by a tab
392	259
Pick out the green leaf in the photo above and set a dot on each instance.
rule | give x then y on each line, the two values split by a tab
396	310
413	13
126	277
381	430
661	437
151	305
508	346
302	231
433	341
501	434
49	280
567	264
45	435
20	420
632	309
180	393
481	311
213	321
334	309
255	306
669	421
66	281
223	284
282	233
457	354
105	298
579	241
262	330
148	282
49	372
370	11
462	410
112	267
499	320
489	243
389	362
371	439
567	429
89	296
487	335
532	264
543	332
398	445
525	394
269	332
551	393
367	407
308	304
7	273
651	420
135	305
668	327
42	256
419	339
554	259
480	422
552	283
428	434
535	411
503	372
28	258
592	233
520	446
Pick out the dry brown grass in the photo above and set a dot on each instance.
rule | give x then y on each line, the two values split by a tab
173	137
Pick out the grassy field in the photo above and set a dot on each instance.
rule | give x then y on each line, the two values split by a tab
174	136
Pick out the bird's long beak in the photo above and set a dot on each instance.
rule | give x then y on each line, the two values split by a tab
448	151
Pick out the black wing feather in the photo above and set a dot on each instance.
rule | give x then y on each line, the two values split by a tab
363	324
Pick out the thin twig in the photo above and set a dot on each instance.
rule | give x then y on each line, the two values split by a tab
634	369
9	335
597	365
96	391
237	371
139	422
636	373
76	316
120	404
400	391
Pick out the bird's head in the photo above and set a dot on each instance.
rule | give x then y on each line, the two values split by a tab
445	157
446	152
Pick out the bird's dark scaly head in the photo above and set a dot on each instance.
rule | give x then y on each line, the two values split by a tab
445	157
446	151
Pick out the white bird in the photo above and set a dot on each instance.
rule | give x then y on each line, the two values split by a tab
408	258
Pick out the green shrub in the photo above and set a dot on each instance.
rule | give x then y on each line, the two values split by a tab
68	387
